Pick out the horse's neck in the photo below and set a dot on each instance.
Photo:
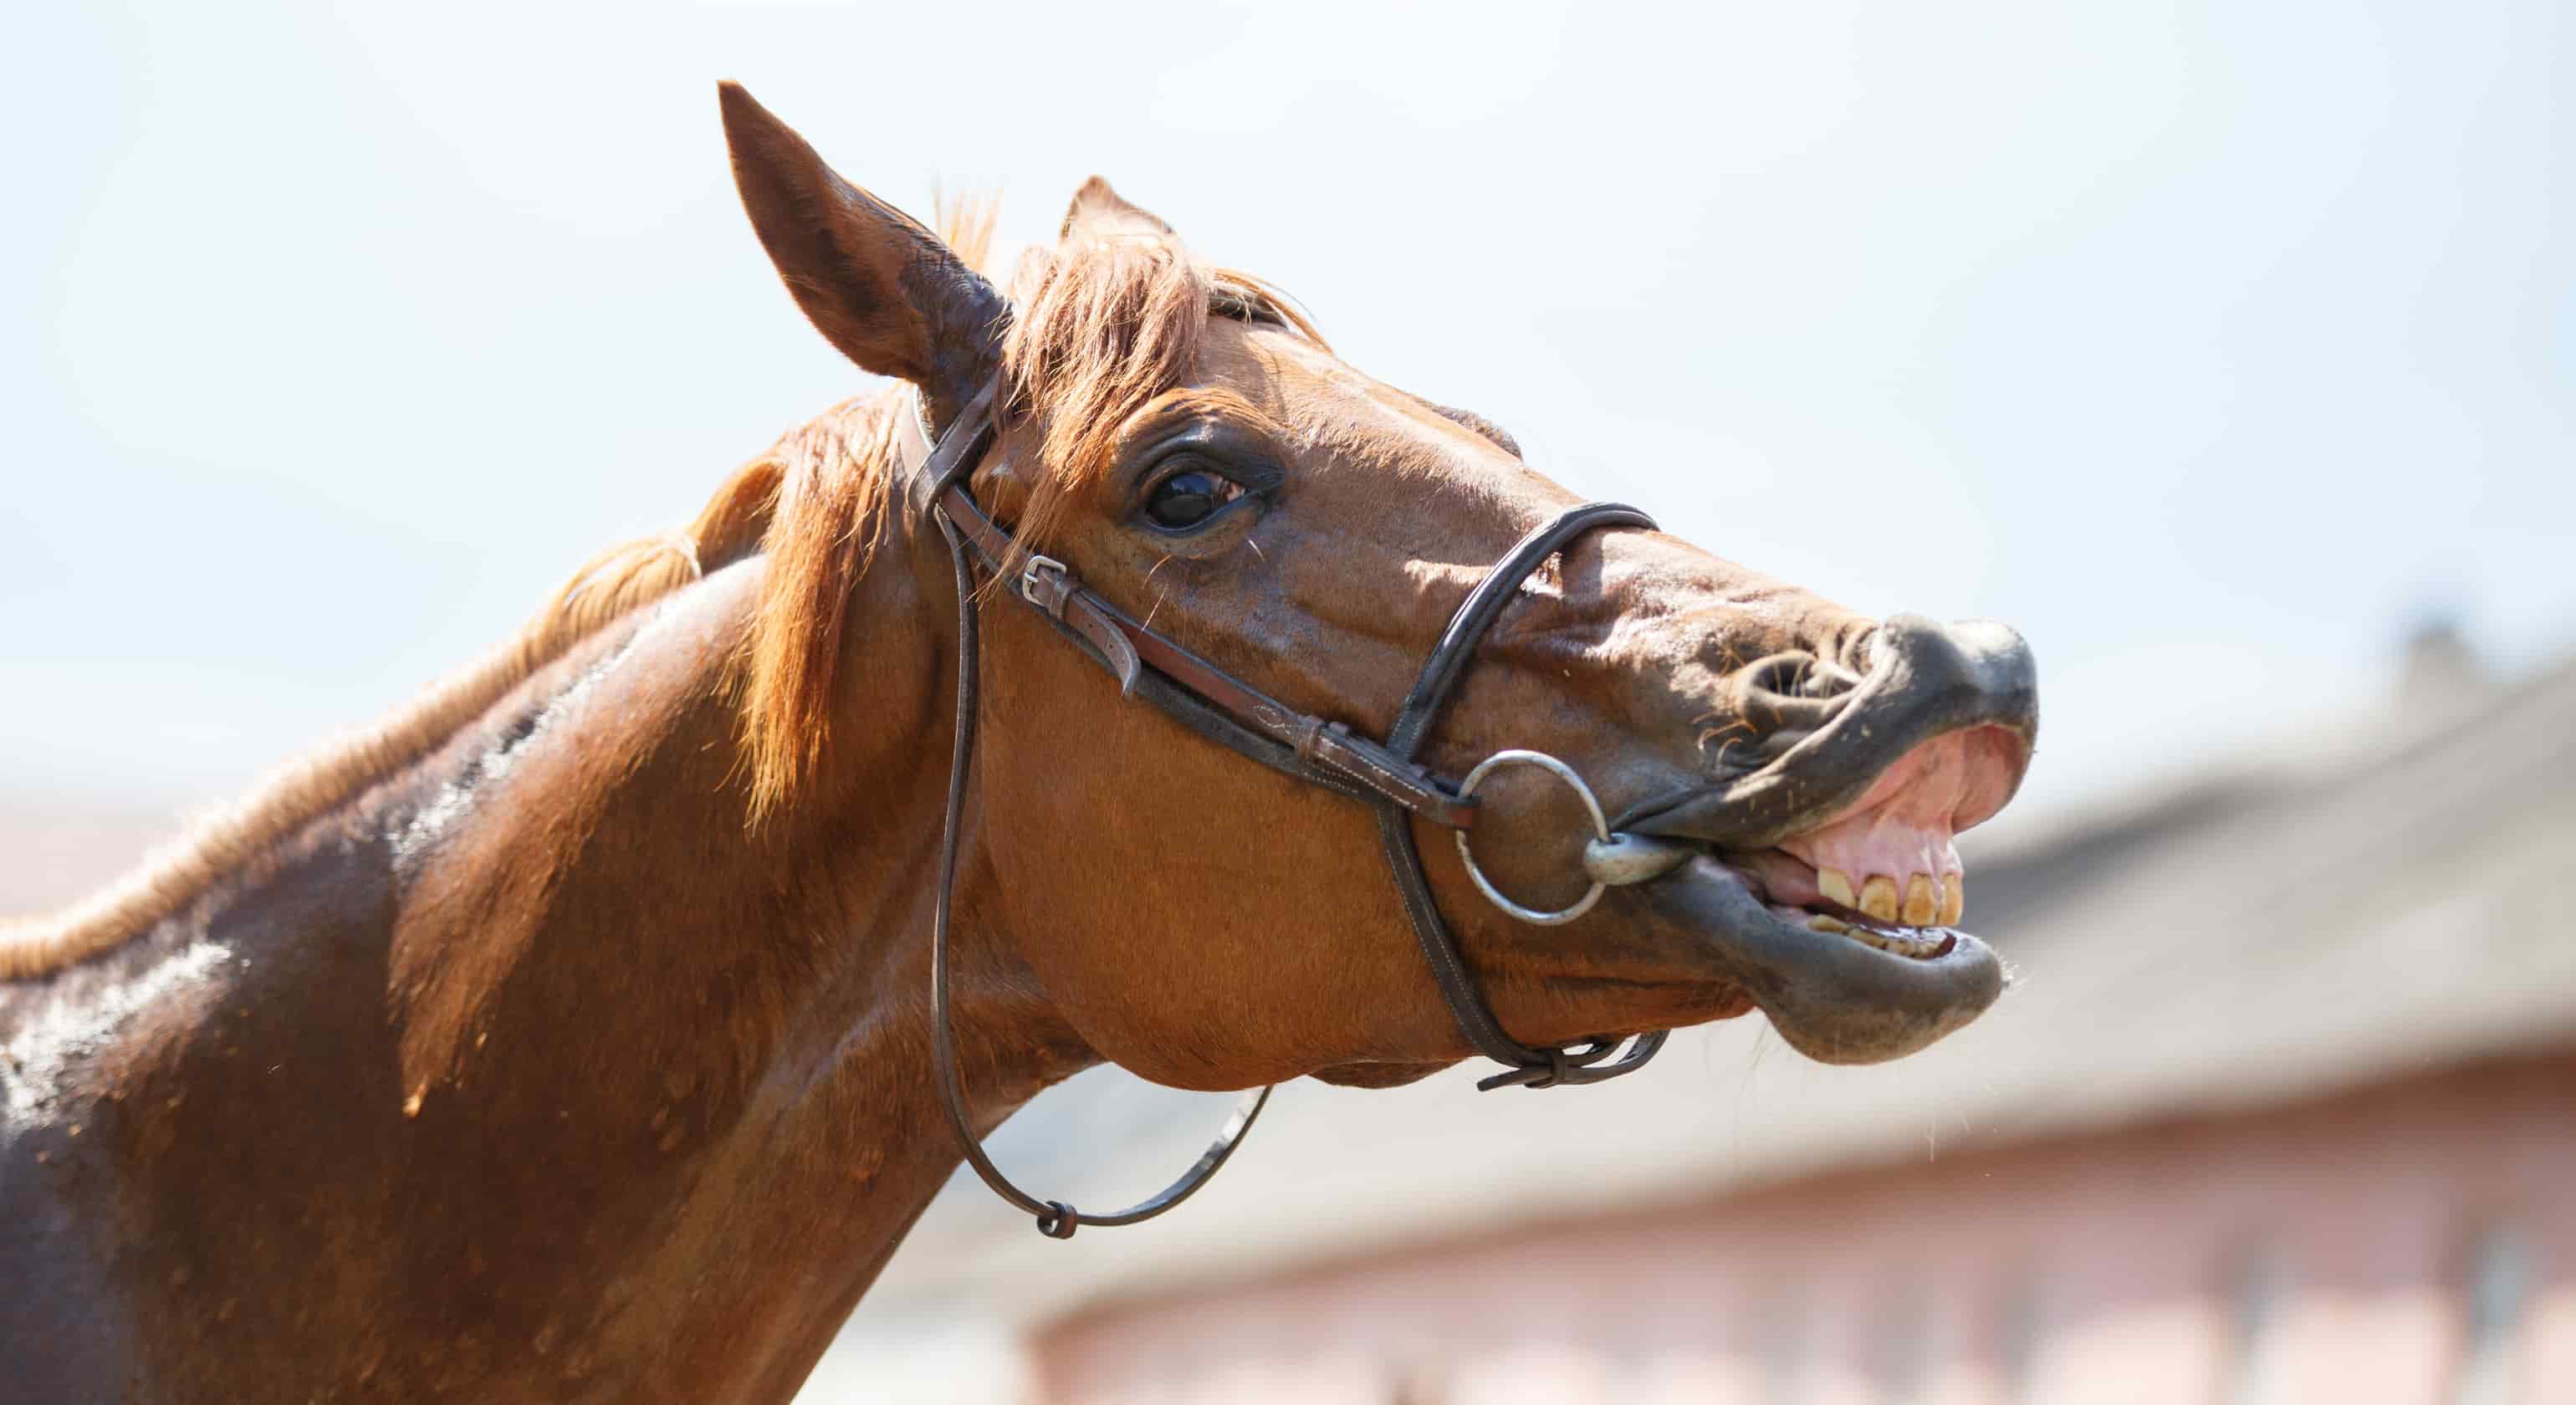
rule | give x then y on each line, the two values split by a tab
639	1051
745	1001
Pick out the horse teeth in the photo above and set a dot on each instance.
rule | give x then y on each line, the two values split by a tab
1896	943
1836	886
1922	901
1878	897
1954	899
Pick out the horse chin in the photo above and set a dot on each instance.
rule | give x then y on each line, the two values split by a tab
1863	994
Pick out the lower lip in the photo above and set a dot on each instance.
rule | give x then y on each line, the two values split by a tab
1836	999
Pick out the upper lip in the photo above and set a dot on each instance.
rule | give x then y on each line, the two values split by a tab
1836	999
1925	679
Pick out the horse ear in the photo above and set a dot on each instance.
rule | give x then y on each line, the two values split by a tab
887	292
1099	212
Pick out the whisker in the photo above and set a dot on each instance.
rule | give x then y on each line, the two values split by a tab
1157	607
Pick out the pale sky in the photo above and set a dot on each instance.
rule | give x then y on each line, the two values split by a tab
2207	343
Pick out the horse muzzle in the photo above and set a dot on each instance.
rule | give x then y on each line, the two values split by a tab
1820	876
1821	756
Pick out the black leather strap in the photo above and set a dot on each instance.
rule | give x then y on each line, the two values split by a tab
1530	1066
1202	694
1476	615
1055	1218
1224	709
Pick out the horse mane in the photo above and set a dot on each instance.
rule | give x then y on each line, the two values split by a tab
1101	330
1100	327
243	840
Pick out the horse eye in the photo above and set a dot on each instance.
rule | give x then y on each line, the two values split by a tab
1189	497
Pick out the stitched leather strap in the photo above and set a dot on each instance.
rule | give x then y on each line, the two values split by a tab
1321	749
1531	1066
1218	706
1483	606
1055	1218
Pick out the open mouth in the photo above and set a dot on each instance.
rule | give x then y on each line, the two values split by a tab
1828	883
1886	873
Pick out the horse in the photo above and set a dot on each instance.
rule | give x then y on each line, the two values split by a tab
597	1027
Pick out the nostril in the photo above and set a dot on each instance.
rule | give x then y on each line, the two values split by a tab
1824	679
1799	675
1791	692
1777	702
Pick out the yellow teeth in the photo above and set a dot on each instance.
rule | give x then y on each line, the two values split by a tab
1922	901
1925	900
1900	943
1878	897
1822	923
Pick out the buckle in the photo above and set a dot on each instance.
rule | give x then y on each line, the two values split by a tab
1044	583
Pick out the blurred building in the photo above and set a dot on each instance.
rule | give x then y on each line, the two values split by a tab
2283	1110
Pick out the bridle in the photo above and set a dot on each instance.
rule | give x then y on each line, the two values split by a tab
1232	713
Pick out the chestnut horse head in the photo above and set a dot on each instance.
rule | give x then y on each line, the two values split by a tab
1196	454
573	1032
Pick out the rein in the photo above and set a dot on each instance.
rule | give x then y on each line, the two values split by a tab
1224	709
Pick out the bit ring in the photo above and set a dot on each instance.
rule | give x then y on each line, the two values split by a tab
1591	806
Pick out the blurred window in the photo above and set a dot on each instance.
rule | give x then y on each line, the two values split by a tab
1785	1373
2023	1346
1906	1351
2499	1288
2259	1304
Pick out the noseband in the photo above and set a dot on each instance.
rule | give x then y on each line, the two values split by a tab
1224	709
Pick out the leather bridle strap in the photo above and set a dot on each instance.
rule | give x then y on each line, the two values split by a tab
943	472
1529	1066
1204	697
1222	708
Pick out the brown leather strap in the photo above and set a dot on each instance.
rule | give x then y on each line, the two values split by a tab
1529	1066
1225	709
1055	1219
1122	644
